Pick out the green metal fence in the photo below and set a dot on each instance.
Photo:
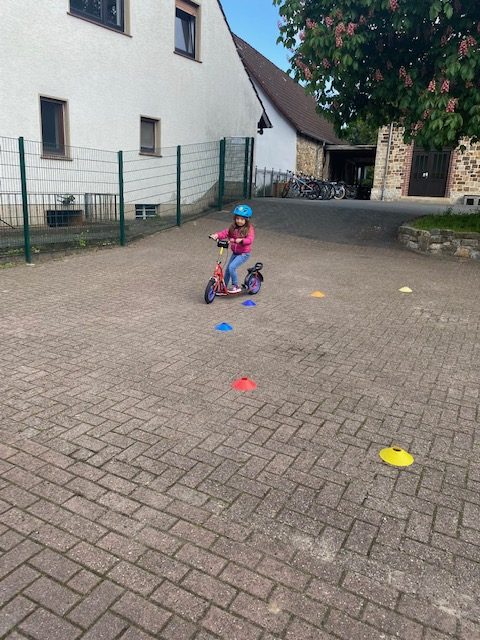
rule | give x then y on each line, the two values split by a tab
92	197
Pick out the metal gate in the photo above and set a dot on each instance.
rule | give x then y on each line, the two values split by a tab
429	173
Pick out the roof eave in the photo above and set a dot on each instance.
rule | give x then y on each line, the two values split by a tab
243	64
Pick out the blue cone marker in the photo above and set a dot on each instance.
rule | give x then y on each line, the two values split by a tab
224	327
249	303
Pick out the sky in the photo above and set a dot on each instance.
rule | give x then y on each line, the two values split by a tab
255	21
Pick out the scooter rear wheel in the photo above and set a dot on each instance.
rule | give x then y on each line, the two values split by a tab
253	283
210	291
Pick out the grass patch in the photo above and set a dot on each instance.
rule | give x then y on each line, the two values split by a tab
462	222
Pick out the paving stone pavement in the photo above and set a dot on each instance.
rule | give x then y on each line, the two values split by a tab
141	497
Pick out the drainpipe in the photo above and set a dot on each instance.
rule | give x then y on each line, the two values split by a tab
382	197
326	162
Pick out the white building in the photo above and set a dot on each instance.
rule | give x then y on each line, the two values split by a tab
137	76
121	74
299	135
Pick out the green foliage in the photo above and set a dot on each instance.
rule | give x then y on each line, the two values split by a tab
82	240
461	222
413	63
360	132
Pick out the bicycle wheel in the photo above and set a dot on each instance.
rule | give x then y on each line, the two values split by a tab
323	192
331	190
313	190
339	192
210	291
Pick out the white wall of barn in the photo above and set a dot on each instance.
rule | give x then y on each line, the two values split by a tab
277	147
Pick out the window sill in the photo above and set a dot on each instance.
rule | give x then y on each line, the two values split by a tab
150	154
52	156
99	24
185	55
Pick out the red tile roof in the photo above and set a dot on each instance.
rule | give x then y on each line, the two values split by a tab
287	95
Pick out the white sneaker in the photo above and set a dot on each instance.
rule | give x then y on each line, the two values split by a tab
234	289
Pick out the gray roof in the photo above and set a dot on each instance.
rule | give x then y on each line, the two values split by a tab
288	96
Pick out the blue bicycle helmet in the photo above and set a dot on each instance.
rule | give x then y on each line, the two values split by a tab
243	210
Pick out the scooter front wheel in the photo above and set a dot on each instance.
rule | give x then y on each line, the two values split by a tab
210	291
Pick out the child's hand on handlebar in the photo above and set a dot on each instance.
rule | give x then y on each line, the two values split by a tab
213	236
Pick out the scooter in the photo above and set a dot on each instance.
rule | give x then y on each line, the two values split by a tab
216	285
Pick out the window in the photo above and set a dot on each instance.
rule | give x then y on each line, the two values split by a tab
144	211
149	136
186	15
107	12
53	126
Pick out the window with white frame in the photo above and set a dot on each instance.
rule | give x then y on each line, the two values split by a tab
53	118
145	211
149	135
110	13
186	25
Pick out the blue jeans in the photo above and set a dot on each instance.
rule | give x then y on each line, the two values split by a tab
232	266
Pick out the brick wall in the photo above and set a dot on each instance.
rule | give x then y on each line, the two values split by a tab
464	174
309	157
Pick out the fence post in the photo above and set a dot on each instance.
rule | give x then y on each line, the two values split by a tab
122	198
23	179
221	177
179	185
245	169
252	146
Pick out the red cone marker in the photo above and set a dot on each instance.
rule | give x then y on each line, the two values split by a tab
244	384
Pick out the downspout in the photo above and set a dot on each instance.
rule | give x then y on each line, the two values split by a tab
387	158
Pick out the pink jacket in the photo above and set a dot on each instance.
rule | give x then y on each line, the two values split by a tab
245	246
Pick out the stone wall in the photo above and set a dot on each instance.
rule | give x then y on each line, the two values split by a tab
441	242
464	176
398	170
309	157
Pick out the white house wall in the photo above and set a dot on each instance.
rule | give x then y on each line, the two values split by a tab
277	147
110	79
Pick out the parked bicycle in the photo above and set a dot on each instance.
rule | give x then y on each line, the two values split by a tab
300	187
329	189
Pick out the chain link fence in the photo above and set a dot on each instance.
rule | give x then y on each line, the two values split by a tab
269	183
90	197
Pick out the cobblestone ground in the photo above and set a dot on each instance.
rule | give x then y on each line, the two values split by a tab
141	497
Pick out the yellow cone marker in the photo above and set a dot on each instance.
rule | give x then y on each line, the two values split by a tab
406	290
396	457
317	294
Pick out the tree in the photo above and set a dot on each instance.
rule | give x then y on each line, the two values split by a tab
412	62
360	132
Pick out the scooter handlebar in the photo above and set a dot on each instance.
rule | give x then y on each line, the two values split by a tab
223	244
